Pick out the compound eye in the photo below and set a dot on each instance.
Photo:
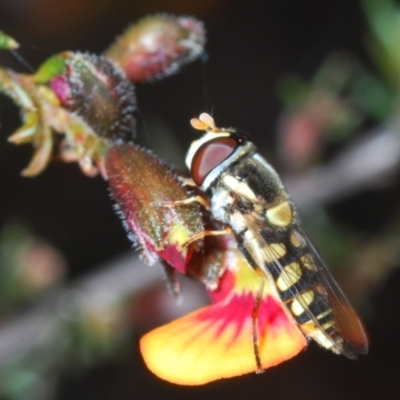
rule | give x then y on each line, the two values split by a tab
210	155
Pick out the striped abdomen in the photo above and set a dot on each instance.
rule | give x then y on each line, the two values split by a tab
287	259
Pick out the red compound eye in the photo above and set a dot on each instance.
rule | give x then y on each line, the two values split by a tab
210	155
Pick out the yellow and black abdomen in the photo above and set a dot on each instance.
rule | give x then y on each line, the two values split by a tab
298	282
284	256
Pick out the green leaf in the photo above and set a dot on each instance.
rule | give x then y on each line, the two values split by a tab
50	68
7	42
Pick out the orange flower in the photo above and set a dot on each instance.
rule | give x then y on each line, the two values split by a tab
217	341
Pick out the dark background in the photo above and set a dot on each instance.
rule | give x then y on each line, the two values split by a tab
250	44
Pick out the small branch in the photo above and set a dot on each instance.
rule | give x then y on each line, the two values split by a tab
364	164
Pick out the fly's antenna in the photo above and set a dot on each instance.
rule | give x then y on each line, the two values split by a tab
205	122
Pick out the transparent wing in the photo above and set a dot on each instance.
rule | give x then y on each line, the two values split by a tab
348	324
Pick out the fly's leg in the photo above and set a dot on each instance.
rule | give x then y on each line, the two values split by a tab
201	235
254	319
177	203
206	204
173	284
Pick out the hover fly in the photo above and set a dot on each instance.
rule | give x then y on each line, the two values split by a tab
248	198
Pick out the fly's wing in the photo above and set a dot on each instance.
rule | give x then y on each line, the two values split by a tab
348	323
279	259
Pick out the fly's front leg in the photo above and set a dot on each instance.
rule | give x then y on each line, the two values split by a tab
202	200
177	203
188	182
201	235
194	199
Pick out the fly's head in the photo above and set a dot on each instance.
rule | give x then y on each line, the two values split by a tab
209	156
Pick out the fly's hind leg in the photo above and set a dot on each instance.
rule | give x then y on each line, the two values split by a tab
173	284
254	319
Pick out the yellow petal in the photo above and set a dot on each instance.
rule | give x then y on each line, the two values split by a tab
28	131
217	341
41	155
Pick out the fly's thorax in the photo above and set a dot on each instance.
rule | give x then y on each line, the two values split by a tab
224	208
261	179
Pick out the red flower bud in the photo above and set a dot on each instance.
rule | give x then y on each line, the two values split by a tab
145	191
157	46
99	93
